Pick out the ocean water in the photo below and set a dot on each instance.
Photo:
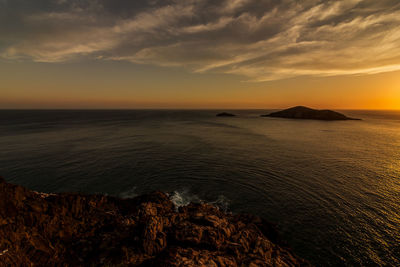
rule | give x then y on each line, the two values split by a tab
332	188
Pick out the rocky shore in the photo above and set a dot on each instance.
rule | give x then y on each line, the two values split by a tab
38	229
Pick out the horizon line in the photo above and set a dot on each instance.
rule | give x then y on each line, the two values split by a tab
155	108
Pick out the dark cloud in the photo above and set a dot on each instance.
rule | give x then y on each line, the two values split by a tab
261	39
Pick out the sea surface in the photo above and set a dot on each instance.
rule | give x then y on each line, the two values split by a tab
332	188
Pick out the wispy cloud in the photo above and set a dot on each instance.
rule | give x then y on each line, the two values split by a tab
261	39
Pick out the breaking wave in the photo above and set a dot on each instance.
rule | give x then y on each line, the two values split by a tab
131	193
184	198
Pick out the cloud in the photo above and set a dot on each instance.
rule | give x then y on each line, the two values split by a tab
261	39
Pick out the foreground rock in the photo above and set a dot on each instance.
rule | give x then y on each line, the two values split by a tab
301	112
225	114
38	229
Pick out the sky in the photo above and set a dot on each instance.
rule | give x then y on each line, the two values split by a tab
342	54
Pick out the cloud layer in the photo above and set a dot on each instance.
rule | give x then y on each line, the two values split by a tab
261	39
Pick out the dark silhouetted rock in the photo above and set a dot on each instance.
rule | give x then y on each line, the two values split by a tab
38	229
305	113
225	114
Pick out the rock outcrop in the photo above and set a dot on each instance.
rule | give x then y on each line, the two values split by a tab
38	229
305	113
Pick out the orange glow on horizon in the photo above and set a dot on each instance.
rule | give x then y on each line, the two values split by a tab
71	89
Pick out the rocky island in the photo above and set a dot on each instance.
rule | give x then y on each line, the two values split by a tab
67	229
306	113
225	114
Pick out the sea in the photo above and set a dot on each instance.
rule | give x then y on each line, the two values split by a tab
331	187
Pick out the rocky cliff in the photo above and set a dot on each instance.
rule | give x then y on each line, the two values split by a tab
38	229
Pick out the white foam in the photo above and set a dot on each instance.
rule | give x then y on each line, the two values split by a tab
184	198
131	193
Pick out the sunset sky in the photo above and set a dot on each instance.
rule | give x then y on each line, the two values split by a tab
200	54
